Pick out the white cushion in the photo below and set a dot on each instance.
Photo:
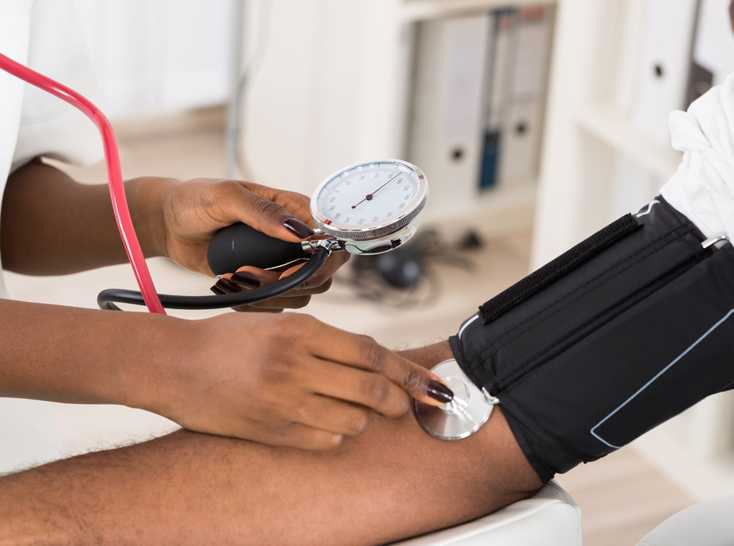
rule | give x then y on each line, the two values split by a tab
550	517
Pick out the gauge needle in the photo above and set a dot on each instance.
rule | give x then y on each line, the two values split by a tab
371	196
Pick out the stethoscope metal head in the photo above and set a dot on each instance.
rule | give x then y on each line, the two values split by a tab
465	415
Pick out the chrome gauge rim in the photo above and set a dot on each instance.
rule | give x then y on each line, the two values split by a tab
378	230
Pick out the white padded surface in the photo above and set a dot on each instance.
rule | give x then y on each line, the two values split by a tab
550	517
709	523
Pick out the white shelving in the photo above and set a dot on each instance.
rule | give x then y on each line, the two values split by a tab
606	123
494	213
345	104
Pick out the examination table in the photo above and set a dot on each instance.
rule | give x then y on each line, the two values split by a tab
550	518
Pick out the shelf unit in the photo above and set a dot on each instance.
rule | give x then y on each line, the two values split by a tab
333	92
610	126
420	10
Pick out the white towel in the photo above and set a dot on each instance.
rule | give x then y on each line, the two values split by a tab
703	186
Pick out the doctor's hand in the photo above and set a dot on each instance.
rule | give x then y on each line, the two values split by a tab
185	216
286	380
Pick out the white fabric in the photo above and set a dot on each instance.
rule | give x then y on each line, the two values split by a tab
14	34
549	517
44	35
703	186
50	126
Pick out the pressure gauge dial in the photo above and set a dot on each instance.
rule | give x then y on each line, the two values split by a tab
371	207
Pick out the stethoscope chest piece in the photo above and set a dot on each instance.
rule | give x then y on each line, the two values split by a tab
465	415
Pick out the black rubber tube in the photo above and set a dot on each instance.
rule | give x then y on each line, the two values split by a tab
107	298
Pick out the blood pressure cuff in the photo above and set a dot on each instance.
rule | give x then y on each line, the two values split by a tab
621	333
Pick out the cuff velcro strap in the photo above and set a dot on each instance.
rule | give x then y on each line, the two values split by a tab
551	272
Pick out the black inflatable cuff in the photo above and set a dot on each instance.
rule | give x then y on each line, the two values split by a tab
621	333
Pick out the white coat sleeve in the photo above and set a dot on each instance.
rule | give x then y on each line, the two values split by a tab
703	186
49	126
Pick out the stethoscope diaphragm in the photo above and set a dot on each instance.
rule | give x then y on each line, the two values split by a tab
465	415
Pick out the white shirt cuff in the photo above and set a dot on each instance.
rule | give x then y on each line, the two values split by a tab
703	186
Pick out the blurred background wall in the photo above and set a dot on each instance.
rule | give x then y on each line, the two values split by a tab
158	57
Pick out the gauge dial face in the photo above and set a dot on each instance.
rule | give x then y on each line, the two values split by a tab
370	196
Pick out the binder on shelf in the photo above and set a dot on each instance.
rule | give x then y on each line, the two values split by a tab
664	64
479	89
517	84
497	88
523	132
448	95
713	48
659	86
491	150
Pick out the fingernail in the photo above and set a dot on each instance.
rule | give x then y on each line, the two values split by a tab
218	291
246	279
297	227
227	286
439	391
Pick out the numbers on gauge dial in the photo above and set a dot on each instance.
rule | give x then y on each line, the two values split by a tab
369	196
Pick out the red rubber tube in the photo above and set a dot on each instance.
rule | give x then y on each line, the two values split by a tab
114	172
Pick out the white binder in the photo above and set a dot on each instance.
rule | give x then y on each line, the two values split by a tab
521	142
665	64
522	126
658	87
501	49
446	124
714	47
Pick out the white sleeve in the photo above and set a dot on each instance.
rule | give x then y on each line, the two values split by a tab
703	186
50	126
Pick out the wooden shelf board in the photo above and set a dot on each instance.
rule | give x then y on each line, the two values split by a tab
510	209
418	10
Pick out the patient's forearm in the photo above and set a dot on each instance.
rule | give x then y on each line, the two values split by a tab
392	482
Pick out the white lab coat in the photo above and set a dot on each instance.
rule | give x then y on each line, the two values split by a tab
44	35
703	186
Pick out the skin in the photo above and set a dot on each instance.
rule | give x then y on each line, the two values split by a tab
289	390
389	483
